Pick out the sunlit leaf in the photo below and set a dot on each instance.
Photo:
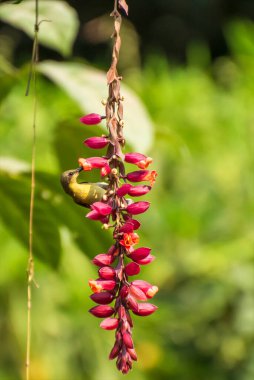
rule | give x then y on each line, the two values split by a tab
88	86
59	34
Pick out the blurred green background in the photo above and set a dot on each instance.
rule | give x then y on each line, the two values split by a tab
188	105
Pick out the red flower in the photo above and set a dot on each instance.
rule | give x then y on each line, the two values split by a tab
137	191
139	159
140	253
137	293
142	175
95	215
102	208
102	298
134	222
115	350
109	324
92	163
127	339
107	273
103	259
132	269
102	311
148	289
137	207
105	170
129	240
123	190
130	225
98	286
145	261
127	227
91	119
96	142
145	309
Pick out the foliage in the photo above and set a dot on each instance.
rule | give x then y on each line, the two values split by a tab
201	227
63	17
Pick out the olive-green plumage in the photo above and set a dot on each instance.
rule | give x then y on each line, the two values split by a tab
83	193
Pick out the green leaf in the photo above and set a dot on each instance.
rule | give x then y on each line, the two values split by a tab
11	1
240	37
53	210
88	86
15	200
59	34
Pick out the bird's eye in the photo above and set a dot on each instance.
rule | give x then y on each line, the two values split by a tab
70	174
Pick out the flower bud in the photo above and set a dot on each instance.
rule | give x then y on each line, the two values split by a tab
132	353
109	324
127	228
140	253
94	215
102	311
102	298
146	261
137	191
102	208
96	142
142	175
138	208
134	222
127	340
107	273
103	259
123	190
124	292
121	313
91	119
137	293
132	269
145	309
139	159
129	320
98	286
92	163
141	284
148	289
115	350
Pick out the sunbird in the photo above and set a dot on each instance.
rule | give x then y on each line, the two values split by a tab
83	193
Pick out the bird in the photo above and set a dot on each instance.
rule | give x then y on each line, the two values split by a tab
83	193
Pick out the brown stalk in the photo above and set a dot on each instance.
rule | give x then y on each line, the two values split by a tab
30	264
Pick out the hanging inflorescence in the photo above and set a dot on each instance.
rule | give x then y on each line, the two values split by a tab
116	212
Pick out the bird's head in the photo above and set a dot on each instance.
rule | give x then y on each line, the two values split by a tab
69	176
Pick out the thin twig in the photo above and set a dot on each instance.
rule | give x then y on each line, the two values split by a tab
30	266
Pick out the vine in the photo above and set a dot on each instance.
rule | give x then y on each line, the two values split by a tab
111	207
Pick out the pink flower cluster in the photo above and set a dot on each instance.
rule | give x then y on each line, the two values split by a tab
123	259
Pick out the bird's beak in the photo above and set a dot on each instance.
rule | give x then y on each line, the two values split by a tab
78	170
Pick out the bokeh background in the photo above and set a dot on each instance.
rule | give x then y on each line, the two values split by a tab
188	68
